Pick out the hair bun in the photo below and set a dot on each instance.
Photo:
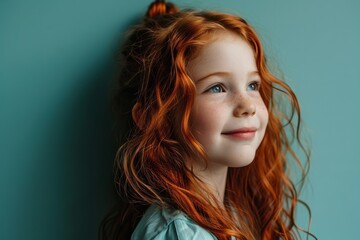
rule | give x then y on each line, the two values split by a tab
160	7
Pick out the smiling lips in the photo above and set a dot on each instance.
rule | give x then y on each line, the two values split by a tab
242	133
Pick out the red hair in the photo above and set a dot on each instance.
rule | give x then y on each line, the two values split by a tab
150	165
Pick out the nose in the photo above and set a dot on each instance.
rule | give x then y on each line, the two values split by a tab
245	107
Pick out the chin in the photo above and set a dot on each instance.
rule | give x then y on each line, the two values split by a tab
241	164
242	161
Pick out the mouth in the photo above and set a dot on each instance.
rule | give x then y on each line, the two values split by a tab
241	133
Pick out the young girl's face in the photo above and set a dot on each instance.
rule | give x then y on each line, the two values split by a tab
229	117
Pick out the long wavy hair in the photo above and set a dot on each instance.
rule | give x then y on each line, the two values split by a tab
260	199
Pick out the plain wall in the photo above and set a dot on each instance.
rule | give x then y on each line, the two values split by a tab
56	143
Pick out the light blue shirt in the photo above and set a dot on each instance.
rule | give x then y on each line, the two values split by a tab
163	224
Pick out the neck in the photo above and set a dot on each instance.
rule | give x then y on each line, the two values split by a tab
215	176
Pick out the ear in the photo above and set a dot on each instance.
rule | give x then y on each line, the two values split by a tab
136	115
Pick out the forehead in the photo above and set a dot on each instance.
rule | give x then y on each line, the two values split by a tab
225	51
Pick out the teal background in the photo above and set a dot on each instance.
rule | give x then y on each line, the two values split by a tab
56	143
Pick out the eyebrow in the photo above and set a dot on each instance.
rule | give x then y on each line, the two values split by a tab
253	73
224	74
214	74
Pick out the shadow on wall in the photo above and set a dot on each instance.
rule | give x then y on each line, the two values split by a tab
74	175
71	188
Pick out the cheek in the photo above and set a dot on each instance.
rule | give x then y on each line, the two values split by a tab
264	115
262	112
205	121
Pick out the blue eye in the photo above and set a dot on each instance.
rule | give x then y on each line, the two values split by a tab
216	89
254	86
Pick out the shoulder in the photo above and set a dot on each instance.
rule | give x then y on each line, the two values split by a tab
161	223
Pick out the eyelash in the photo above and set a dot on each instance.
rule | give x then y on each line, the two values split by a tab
257	85
222	89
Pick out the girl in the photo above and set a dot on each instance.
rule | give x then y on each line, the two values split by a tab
207	153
